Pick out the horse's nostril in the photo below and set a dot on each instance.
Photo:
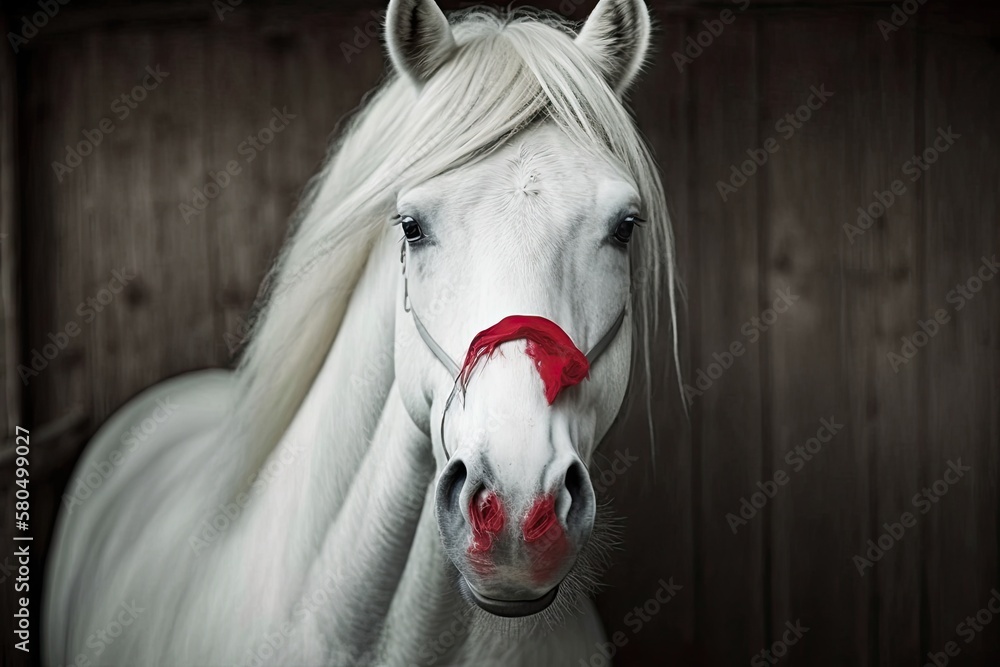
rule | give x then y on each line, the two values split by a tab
581	495
574	480
451	483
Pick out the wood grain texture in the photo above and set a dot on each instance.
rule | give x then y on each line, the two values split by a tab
134	283
654	494
299	69
879	269
725	378
11	388
826	357
961	364
818	518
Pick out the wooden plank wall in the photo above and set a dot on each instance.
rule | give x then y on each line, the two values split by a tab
189	284
10	403
827	357
194	278
961	366
854	296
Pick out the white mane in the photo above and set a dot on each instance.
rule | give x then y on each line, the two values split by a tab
336	544
511	70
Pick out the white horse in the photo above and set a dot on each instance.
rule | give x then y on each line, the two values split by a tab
344	498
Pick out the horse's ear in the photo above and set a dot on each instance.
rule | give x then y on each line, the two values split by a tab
418	37
616	35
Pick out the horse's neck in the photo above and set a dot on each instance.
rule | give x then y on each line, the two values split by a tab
340	522
300	490
343	499
335	425
428	620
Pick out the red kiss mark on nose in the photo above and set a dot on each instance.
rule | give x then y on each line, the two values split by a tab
487	518
486	515
546	538
541	518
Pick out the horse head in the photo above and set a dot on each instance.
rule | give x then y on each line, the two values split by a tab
514	329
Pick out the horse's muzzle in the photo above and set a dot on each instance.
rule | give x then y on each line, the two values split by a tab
513	548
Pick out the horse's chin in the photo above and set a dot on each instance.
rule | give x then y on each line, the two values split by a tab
515	618
510	608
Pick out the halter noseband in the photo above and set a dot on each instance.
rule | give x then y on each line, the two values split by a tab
455	371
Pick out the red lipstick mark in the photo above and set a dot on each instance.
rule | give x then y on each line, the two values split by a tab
487	518
558	360
541	518
546	539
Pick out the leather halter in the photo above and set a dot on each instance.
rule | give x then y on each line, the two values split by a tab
454	369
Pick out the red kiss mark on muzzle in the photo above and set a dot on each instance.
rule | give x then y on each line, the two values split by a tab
559	362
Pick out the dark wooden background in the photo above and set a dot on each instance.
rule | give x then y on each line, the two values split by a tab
825	358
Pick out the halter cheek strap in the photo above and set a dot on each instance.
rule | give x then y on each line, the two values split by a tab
442	356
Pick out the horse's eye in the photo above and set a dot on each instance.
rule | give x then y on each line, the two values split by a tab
411	229
623	232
